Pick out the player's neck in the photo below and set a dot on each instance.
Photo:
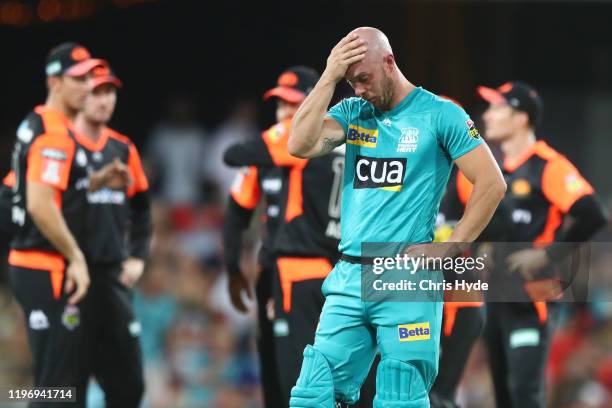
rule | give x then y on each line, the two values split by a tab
402	90
56	103
518	144
89	129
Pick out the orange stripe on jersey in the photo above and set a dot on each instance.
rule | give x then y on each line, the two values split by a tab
245	189
39	260
54	121
295	199
562	184
139	179
276	139
9	179
542	311
118	136
464	188
291	270
553	222
450	314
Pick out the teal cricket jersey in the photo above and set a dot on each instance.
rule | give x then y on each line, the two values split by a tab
397	166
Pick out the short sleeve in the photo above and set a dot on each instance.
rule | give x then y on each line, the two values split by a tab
563	185
245	189
50	160
457	133
139	179
340	112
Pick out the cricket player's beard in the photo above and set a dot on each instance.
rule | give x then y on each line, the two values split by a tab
386	96
97	120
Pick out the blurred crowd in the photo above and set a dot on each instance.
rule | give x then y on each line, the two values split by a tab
198	351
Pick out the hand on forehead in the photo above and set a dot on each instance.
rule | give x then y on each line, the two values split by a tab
378	47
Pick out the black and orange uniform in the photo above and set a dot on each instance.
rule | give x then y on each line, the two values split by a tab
255	184
543	188
306	243
463	319
70	342
118	226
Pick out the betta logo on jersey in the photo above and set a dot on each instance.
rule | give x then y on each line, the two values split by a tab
413	332
379	172
359	136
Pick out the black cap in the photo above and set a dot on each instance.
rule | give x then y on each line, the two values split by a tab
103	74
70	59
294	84
518	95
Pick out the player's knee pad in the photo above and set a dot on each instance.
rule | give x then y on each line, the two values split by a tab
400	384
315	386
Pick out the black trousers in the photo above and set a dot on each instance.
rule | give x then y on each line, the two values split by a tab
518	341
265	341
99	336
455	347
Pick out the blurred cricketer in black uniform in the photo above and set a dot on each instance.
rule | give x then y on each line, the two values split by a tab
49	258
544	189
119	216
48	272
304	246
267	184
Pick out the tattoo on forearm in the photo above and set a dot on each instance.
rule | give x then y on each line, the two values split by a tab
330	144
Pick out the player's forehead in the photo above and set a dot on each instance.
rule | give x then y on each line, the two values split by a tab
359	69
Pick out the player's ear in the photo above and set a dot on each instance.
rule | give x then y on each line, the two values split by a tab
389	62
523	119
53	82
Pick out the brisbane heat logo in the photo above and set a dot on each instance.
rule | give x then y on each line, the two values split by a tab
379	172
359	136
413	332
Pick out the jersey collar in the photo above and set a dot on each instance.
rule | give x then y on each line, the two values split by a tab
511	165
404	103
89	144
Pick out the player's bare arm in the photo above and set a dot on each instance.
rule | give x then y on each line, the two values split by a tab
50	221
482	171
311	133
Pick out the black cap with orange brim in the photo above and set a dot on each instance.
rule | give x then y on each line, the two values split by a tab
70	59
518	95
103	74
294	84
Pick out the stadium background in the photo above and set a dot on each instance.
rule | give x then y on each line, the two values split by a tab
194	72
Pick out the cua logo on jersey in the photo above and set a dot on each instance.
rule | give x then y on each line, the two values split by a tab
379	172
413	332
472	131
359	136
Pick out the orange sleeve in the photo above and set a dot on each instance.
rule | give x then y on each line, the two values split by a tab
276	139
139	179
563	185
464	188
50	160
245	190
9	179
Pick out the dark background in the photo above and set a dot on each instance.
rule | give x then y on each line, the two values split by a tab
222	51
